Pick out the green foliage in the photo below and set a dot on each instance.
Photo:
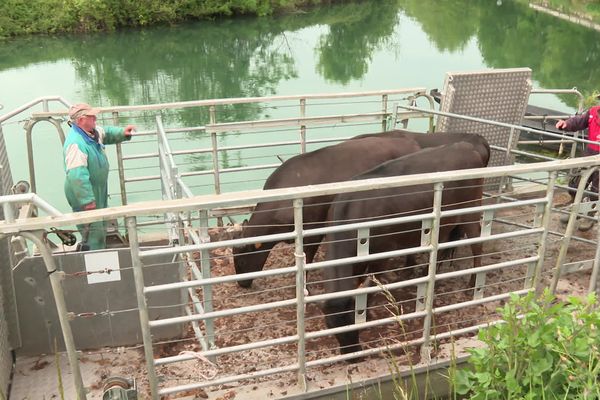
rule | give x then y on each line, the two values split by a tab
547	349
591	100
24	17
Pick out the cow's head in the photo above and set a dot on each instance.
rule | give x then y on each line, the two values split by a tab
249	257
340	312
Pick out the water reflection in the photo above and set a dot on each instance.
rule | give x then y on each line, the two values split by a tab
251	57
357	30
559	53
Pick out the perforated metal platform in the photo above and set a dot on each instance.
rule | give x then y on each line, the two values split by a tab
498	95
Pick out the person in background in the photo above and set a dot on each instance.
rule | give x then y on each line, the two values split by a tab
589	120
86	168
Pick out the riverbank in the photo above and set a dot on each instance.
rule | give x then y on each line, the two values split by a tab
20	18
586	12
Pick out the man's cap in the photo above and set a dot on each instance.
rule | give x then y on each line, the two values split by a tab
80	110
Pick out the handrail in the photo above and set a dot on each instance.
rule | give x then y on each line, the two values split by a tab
254	196
43	100
241	100
562	91
30	198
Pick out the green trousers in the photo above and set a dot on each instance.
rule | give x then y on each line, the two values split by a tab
93	236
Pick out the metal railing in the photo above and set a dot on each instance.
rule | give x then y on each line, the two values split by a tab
178	204
297	107
539	230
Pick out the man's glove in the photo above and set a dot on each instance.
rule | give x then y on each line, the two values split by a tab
129	131
89	206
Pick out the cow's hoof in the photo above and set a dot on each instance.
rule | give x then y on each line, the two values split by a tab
245	284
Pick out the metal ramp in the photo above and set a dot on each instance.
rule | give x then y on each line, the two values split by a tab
498	95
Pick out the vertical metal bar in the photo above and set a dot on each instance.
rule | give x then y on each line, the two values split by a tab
207	300
175	217
61	308
59	129
486	224
426	229
360	300
545	223
300	292
138	277
384	107
162	166
506	161
28	129
120	163
435	231
9	212
215	157
564	247
594	284
593	287
302	127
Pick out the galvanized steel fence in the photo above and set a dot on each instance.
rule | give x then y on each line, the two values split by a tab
285	304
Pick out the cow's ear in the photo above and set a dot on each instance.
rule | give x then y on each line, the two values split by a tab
257	245
234	232
244	223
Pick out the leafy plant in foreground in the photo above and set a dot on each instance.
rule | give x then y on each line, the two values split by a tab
546	349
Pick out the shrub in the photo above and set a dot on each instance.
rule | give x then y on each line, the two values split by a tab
547	349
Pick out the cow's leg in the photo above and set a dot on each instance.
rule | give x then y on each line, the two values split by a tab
472	229
456	233
340	312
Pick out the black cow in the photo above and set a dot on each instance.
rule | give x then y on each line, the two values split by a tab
329	164
410	200
334	163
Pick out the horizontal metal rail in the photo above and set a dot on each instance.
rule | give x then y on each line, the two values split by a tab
331	263
240	100
496	123
255	196
40	100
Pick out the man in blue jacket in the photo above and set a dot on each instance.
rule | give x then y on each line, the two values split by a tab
86	168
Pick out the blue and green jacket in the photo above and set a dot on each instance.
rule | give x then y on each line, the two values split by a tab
86	165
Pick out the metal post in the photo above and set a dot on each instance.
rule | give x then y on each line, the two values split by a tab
594	278
28	129
506	161
61	308
120	164
215	155
435	231
570	227
300	288
138	277
207	301
384	104
594	284
537	275
302	127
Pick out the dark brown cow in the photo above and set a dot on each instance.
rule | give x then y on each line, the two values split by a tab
411	200
334	163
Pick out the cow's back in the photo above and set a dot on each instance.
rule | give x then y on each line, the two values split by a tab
339	162
406	200
427	140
